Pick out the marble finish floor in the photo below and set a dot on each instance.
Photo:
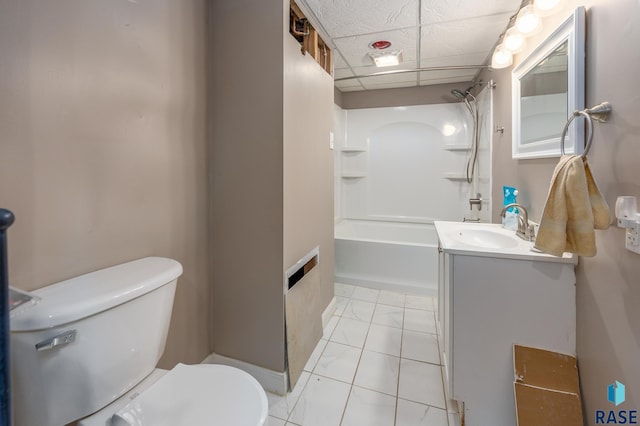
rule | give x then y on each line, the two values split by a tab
378	364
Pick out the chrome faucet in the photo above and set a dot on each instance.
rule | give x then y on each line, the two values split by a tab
525	231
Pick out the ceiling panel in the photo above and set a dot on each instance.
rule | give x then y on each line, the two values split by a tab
350	17
428	77
372	69
355	49
370	86
466	36
434	11
471	58
430	33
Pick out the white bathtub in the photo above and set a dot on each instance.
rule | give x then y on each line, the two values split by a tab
387	255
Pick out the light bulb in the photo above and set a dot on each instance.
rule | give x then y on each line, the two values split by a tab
386	59
546	7
501	58
527	21
513	40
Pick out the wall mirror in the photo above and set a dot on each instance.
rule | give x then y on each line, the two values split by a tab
547	86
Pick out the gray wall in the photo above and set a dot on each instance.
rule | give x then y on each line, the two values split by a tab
423	95
308	169
247	180
103	145
608	290
272	193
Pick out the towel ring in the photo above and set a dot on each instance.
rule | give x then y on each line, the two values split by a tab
589	129
599	112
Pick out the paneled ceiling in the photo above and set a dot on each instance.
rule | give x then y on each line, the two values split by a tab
430	34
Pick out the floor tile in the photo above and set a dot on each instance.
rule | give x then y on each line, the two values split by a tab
414	414
369	408
331	325
377	365
359	309
338	362
274	421
343	290
322	402
282	406
378	372
421	382
384	339
366	294
341	303
315	355
424	303
417	320
420	346
391	298
350	332
392	316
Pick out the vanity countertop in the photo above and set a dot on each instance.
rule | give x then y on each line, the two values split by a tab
491	240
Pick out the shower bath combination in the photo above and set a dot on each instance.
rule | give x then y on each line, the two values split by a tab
473	157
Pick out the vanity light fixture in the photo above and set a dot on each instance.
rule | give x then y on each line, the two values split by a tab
546	7
527	21
501	58
387	59
513	41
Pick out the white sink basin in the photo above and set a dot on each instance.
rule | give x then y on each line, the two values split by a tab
489	239
485	238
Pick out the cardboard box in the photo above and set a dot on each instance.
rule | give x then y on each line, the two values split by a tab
546	387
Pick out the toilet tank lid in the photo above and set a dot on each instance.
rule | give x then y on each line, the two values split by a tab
89	294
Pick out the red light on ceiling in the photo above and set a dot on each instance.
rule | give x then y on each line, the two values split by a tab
380	44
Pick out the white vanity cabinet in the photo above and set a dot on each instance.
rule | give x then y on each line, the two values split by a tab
489	299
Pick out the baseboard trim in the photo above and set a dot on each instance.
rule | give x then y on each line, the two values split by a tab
272	381
401	287
328	312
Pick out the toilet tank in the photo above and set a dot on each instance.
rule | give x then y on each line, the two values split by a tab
89	339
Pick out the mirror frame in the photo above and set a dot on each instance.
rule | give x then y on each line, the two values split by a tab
572	31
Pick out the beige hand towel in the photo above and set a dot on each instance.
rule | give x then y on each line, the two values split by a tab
574	208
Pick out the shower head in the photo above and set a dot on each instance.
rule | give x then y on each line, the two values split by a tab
463	94
459	93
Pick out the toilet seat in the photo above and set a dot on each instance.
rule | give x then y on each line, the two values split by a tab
194	395
198	395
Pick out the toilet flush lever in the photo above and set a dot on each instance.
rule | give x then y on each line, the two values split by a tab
63	338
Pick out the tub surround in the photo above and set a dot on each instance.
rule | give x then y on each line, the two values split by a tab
387	255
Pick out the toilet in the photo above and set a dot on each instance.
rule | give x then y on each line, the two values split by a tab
87	351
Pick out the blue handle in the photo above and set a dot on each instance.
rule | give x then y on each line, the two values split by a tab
6	219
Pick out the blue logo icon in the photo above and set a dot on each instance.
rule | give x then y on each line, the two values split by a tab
615	393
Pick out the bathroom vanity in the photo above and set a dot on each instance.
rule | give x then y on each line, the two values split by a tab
495	291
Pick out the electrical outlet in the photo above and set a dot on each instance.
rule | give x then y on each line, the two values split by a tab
631	242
